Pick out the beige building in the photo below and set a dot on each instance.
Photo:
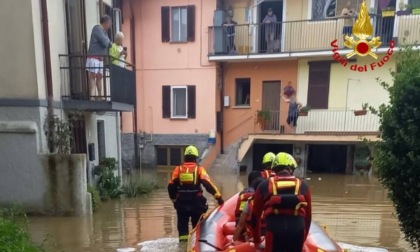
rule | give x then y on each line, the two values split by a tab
37	67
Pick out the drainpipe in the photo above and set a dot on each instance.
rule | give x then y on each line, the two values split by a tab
133	59
48	75
221	94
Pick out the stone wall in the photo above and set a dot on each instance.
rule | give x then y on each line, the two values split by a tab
148	153
41	184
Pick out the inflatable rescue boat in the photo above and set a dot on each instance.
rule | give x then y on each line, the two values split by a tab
215	230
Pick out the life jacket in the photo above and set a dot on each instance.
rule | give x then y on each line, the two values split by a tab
242	200
265	174
249	218
284	197
189	187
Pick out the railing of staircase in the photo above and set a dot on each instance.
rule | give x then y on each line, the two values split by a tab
231	161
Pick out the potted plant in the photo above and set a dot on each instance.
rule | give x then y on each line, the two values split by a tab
304	111
263	118
415	8
403	9
363	111
388	12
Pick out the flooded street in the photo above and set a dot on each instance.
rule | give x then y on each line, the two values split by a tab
355	210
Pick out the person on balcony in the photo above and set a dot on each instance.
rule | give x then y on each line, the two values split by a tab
289	96
229	25
270	22
98	48
117	52
348	13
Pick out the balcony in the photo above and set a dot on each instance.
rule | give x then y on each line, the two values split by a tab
321	122
302	38
117	86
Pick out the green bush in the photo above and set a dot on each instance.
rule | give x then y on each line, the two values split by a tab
137	186
108	185
96	199
398	155
14	236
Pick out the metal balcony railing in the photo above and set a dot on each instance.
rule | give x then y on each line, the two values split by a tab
80	82
304	35
319	121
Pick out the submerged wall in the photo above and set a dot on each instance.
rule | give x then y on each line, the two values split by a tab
41	184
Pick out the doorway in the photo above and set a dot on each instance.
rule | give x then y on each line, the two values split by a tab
277	6
327	158
76	42
271	103
259	150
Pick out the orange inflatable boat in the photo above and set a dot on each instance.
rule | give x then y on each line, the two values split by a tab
214	232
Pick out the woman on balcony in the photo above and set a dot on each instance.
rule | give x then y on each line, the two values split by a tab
289	96
117	52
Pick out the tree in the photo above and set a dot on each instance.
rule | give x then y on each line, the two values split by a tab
398	154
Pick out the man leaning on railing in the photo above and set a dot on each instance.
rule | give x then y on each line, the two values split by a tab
98	46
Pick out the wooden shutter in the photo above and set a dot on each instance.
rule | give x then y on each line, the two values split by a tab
165	16
319	84
166	101
190	23
191	101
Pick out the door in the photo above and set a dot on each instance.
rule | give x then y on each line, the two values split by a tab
271	102
277	7
79	136
76	42
327	158
101	139
319	84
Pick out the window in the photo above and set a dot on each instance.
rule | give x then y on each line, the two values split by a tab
323	8
319	84
178	102
169	155
117	20
243	91
178	23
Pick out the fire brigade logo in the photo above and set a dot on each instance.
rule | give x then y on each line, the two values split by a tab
361	40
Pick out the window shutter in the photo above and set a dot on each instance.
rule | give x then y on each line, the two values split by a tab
166	101
191	102
190	23
165	16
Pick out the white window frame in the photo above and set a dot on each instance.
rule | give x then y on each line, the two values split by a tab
118	23
186	102
180	21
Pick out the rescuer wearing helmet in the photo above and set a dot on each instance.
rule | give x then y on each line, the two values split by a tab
244	208
186	193
266	165
286	202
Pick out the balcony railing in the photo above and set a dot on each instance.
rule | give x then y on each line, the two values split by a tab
320	121
303	35
80	82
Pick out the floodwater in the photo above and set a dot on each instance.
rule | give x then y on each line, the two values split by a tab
355	210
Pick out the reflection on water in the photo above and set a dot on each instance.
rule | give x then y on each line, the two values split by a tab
355	210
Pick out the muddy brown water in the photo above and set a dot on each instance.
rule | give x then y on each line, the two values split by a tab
355	210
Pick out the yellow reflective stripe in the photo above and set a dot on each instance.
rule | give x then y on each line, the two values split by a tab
195	175
274	186
242	205
297	186
285	184
298	206
183	237
232	250
320	250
